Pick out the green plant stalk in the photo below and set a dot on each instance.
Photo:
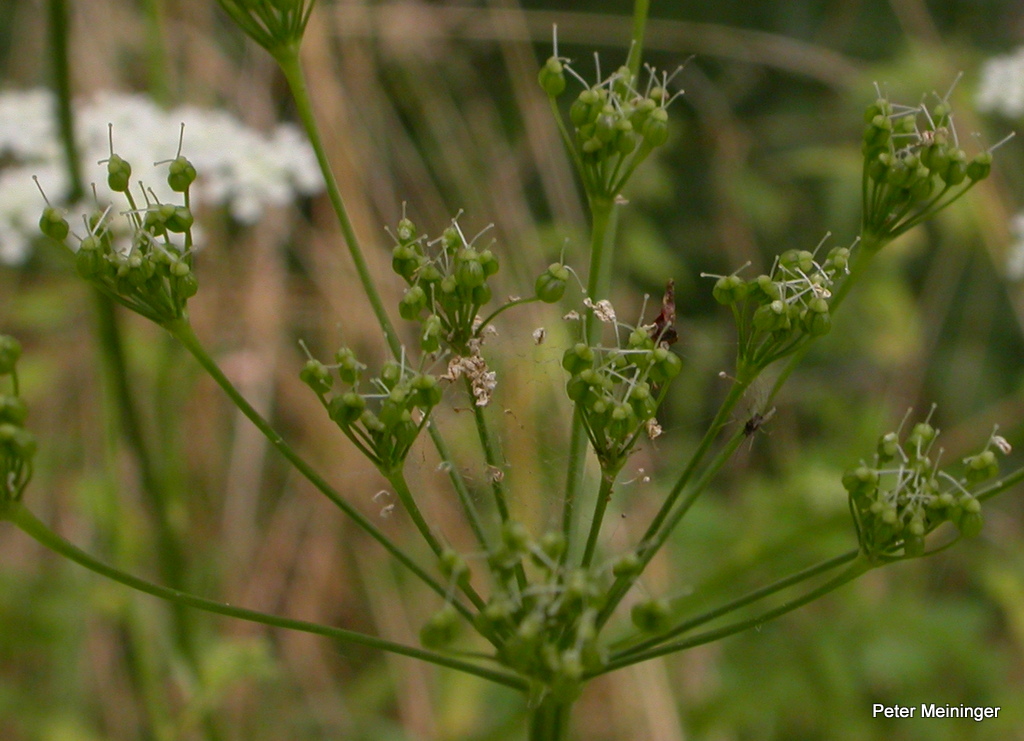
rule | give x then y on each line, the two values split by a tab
496	470
156	51
288	60
648	548
602	251
292	70
636	49
468	506
58	12
733	605
1000	485
657	532
182	330
401	486
549	720
604	496
860	566
32	526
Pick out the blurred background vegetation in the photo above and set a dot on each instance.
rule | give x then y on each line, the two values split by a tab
435	104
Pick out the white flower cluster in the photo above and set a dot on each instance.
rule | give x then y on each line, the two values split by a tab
239	168
1002	85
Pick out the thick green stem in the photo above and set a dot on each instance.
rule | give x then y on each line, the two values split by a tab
549	720
33	527
292	70
860	566
182	330
62	87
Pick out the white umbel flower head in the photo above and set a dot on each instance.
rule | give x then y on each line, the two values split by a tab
240	169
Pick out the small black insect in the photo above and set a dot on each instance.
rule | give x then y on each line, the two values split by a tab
756	420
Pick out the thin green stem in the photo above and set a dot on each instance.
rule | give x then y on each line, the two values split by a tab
754	596
657	532
156	51
1000	486
604	496
468	506
648	548
493	457
401	486
602	251
182	330
859	566
504	307
636	50
292	69
35	528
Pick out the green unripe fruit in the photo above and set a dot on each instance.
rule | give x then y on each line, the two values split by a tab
488	262
180	174
773	317
405	230
90	260
861	480
426	392
468	271
10	351
922	434
552	77
119	174
348	366
405	260
955	172
552	543
181	221
881	107
346	409
412	303
515	536
651	616
981	467
729	289
980	167
13	409
441	628
626	565
186	286
453	565
451	240
578	358
888	446
430	340
53	224
390	373
666	365
550	285
315	375
655	129
481	295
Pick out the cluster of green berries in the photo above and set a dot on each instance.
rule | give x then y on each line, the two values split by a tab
615	127
904	495
385	423
448	281
913	166
17	445
546	630
776	312
153	274
618	390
